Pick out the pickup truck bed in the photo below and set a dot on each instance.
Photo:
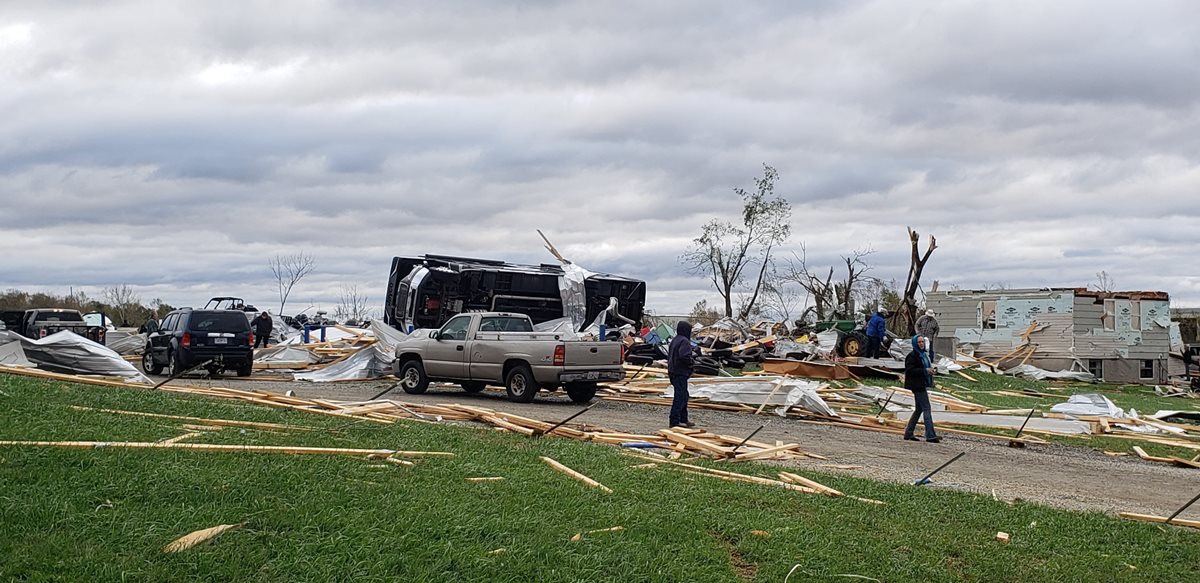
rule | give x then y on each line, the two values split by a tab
497	348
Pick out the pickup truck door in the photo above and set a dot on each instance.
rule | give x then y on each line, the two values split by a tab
446	355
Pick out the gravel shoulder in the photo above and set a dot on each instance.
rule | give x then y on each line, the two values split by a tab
1069	477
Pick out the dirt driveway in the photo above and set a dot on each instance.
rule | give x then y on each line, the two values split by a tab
1075	478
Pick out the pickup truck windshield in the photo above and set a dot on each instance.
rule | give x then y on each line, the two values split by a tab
218	322
58	317
505	324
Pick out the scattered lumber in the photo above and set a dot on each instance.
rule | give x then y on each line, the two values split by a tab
1159	519
200	447
574	474
222	422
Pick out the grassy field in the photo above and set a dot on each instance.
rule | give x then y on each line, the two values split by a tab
105	515
983	391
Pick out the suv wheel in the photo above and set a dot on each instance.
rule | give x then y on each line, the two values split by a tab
520	384
174	367
581	392
412	377
246	370
148	363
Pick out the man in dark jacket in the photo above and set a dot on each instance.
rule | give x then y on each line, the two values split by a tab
876	331
262	328
918	377
680	358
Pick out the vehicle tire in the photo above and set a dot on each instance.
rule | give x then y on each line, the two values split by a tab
752	354
581	392
853	344
412	377
708	362
706	370
720	352
174	366
639	359
246	370
734	362
473	386
149	364
520	385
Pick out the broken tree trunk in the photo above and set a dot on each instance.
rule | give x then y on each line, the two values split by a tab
908	307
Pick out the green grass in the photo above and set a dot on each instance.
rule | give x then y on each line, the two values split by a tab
104	515
1139	397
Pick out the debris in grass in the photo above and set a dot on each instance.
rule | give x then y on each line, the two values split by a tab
192	539
499	551
486	479
761	533
1002	537
574	474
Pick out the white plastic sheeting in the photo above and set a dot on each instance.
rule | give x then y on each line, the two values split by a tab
124	343
574	295
12	354
791	393
1035	373
286	353
370	362
827	341
70	353
1089	404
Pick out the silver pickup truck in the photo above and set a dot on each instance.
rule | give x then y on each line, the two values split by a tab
496	348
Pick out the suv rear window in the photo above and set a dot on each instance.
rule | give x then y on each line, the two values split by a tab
201	321
505	325
58	317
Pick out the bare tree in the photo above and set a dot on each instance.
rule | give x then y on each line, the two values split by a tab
1104	283
908	308
124	302
724	251
352	305
831	298
783	299
288	271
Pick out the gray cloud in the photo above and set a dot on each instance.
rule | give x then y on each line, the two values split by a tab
176	147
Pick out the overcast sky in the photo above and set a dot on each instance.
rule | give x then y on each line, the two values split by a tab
176	146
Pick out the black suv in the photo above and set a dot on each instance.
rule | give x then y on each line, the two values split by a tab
188	338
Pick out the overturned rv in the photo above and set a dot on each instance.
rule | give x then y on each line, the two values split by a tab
426	291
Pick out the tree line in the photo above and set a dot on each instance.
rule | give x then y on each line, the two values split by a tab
120	303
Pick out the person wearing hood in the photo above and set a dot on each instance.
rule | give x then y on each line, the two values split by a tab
876	331
680	359
918	377
927	326
262	328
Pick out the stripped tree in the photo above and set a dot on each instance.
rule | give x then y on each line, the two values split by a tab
908	308
288	271
725	252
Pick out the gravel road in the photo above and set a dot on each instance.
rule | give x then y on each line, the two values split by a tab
1076	478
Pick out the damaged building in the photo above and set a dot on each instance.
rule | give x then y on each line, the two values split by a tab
1119	337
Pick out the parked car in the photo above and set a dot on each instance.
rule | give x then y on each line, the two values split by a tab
219	339
497	348
42	322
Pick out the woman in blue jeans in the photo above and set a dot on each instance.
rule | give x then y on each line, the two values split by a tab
918	377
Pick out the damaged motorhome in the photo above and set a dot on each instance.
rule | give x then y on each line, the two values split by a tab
1119	337
426	291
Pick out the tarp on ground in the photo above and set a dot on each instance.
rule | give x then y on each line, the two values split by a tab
1089	404
1037	374
791	392
69	353
371	362
286	353
12	354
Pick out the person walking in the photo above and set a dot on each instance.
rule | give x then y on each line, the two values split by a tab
262	328
918	378
876	331
927	326
680	359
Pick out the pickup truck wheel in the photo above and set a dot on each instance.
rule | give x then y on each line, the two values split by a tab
148	363
581	392
520	384
473	386
412	378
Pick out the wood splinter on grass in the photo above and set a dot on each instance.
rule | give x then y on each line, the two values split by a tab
579	535
392	460
192	539
499	551
1002	537
486	479
643	466
761	533
574	474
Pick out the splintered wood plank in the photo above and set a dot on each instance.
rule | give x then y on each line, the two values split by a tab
574	474
1159	519
695	443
